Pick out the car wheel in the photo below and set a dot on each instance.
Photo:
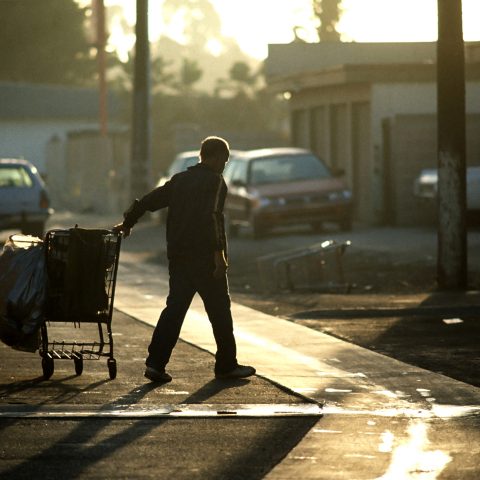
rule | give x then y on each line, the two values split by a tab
259	230
233	230
230	227
346	224
473	218
317	226
36	229
163	216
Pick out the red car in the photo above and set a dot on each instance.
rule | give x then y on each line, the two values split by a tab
283	186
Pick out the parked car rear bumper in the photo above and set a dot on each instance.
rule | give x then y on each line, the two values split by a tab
313	214
19	220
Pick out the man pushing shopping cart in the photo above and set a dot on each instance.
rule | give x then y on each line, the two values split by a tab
197	256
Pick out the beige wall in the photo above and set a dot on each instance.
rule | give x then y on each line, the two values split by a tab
361	160
407	100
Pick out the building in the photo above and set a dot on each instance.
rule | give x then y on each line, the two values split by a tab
369	109
57	129
32	114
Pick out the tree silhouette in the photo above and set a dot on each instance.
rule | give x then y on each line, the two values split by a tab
201	22
45	42
189	74
241	81
328	12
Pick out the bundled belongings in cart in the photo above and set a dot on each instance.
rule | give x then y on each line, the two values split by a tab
79	273
23	281
77	262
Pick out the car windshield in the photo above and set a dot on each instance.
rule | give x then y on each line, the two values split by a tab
14	176
287	168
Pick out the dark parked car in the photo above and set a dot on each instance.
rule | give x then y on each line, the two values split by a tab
283	186
24	201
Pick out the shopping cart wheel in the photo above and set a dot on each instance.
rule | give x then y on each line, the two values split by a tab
47	367
112	368
78	361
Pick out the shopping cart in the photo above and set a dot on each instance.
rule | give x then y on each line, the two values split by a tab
81	270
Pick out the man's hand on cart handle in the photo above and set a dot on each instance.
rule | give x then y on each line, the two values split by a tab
120	228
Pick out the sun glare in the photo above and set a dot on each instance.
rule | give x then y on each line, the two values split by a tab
256	23
388	21
214	47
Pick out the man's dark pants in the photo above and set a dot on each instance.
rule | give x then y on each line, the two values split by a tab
187	277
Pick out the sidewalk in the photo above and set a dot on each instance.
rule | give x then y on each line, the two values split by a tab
290	354
352	382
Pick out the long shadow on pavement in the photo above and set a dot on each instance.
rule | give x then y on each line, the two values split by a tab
440	334
243	450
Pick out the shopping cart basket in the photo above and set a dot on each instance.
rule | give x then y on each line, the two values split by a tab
81	270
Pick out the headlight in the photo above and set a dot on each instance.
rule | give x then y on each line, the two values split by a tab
262	202
341	195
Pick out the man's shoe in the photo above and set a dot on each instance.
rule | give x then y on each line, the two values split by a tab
157	376
240	371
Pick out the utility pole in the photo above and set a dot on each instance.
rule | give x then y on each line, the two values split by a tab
140	161
99	12
452	231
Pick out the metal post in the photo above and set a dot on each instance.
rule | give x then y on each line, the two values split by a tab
452	235
140	161
102	84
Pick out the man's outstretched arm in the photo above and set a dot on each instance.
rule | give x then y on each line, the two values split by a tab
155	200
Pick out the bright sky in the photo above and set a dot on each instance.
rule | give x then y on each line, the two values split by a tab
256	23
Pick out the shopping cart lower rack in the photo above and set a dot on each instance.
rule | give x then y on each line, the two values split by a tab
81	269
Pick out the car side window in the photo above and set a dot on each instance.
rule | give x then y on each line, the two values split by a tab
230	167
190	162
175	167
235	171
15	177
240	173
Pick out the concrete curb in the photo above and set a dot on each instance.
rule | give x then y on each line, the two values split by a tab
381	312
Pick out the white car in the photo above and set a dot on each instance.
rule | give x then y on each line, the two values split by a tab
425	186
180	163
24	201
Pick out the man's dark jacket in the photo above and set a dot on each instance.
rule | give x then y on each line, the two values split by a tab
195	200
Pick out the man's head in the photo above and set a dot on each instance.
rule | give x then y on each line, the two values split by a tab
214	152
